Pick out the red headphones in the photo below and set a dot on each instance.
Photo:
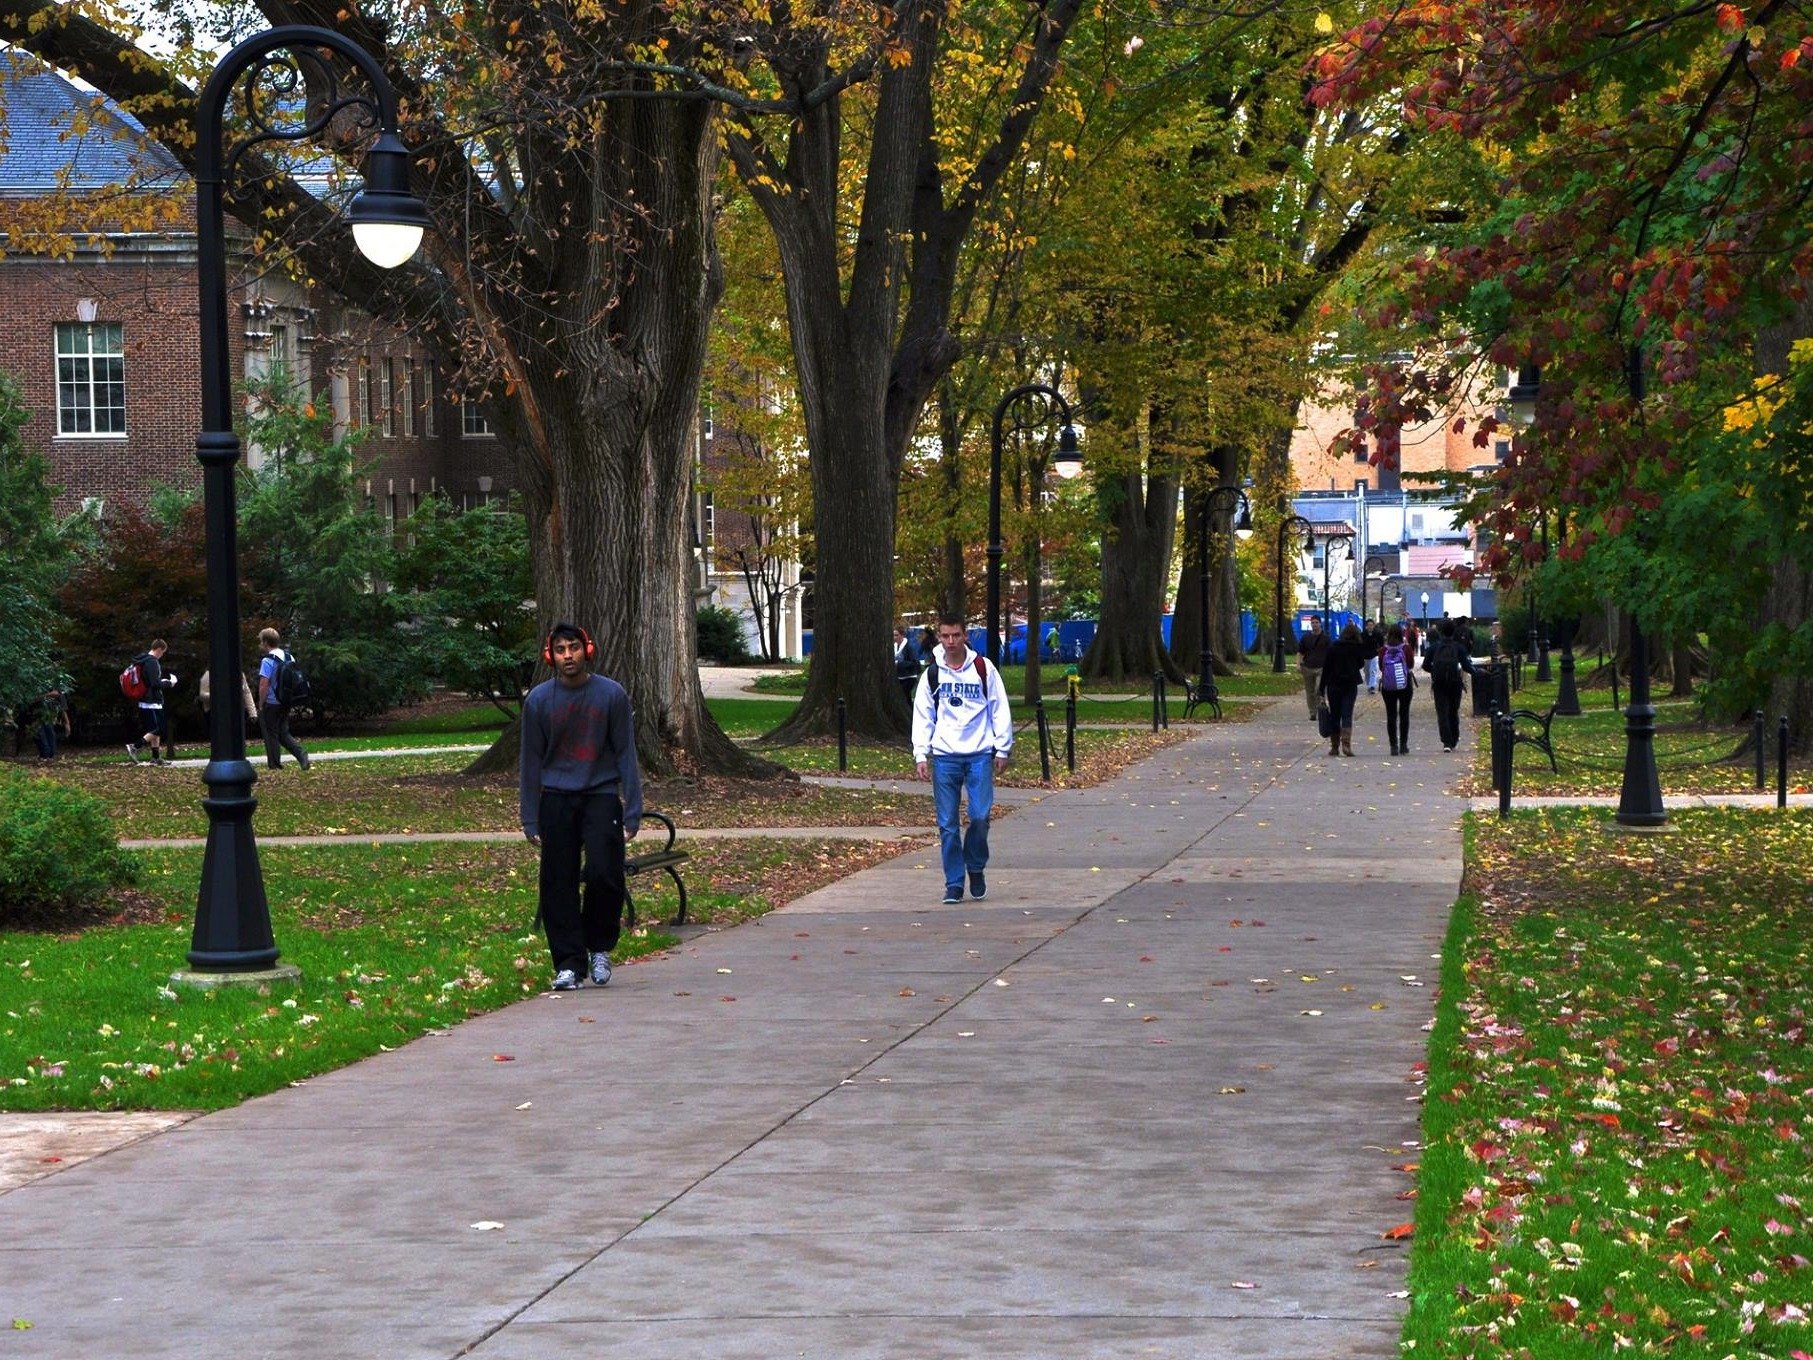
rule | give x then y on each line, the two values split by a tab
547	647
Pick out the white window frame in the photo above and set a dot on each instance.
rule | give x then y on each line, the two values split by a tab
473	424
362	406
409	397
387	396
82	381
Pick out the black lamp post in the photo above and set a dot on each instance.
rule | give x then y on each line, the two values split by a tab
1067	462
1224	497
1278	603
1328	552
1541	624
1425	611
1365	568
1567	696
1640	799
232	918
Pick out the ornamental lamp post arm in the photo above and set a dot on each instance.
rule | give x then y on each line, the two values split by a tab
1067	448
1284	528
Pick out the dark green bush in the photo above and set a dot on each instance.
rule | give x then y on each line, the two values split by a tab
58	850
721	636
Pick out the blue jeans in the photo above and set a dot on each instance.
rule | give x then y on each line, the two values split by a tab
951	774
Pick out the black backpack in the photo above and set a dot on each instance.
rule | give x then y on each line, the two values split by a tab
1444	663
932	686
289	686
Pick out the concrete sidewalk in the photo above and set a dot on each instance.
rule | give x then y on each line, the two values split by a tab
1145	1100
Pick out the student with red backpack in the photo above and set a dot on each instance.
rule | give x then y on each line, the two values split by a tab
1397	683
144	683
963	734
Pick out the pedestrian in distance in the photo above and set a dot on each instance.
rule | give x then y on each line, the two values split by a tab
281	685
963	734
906	662
1397	682
145	682
205	697
1374	638
581	797
53	722
1312	655
1340	686
1447	660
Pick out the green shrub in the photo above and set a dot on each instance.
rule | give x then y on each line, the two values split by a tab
721	636
57	847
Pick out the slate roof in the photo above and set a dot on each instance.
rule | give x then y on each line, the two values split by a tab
41	109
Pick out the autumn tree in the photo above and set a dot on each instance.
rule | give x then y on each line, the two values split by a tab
1644	243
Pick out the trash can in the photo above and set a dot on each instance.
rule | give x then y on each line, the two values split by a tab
1486	680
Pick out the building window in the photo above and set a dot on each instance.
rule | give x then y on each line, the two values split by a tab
362	407
91	378
412	395
283	353
473	424
428	416
387	396
1502	450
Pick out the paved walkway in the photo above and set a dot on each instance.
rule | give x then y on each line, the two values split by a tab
1147	1099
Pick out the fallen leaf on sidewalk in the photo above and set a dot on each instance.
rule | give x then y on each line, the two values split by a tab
1232	1090
727	998
1402	1230
486	1225
503	1057
723	970
1242	1284
906	991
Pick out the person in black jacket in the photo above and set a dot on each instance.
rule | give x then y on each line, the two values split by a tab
1340	686
1446	659
906	662
150	716
1312	653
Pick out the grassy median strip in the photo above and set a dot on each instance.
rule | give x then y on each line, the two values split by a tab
393	942
1616	1116
1099	755
426	793
1691	755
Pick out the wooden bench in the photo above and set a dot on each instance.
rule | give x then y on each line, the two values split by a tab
1539	738
665	860
1203	691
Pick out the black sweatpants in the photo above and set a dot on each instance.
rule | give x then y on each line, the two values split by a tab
1397	716
277	734
1447	712
576	825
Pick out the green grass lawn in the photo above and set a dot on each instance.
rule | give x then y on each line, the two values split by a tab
393	941
1250	678
1691	757
425	793
1615	1121
1100	754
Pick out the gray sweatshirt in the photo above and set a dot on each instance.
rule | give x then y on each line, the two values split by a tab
579	739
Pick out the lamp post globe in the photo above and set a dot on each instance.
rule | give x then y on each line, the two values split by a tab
232	939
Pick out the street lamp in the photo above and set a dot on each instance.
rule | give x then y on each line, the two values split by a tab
1066	462
1367	574
1640	798
1328	552
232	918
1226	498
1425	611
1278	603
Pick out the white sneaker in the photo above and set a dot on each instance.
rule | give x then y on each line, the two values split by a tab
601	968
566	980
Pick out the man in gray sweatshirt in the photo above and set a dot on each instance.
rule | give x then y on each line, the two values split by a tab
581	795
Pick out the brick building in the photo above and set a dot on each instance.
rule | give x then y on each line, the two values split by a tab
102	337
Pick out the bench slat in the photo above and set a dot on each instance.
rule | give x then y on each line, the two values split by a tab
660	859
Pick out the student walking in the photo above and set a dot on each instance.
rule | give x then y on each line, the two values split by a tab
1340	686
146	689
1397	682
1312	655
906	662
581	797
962	736
277	692
53	721
204	696
1374	638
1445	659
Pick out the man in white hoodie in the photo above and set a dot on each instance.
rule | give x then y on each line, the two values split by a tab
962	736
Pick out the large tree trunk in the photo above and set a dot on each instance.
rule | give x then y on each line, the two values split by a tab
1789	601
1141	515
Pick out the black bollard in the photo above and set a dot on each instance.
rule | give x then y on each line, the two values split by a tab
1157	680
1493	759
1038	710
1616	705
1070	730
1508	742
1762	751
1781	763
843	737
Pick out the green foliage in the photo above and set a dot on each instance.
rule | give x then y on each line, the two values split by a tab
318	560
468	579
57	847
135	582
34	559
721	636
